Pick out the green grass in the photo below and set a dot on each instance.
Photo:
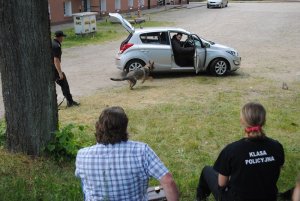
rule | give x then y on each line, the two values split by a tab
106	31
186	120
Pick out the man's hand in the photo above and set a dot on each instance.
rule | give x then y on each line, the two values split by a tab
61	75
58	68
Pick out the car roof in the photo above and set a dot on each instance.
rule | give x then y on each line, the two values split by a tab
159	29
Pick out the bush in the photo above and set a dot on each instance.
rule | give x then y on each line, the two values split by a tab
64	147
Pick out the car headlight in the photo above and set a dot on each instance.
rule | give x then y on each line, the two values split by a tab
232	52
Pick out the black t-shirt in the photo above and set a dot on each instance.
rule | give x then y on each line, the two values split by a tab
56	49
253	167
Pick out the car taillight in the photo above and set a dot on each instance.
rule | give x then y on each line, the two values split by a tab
125	47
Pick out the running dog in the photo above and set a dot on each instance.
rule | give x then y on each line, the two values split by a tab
138	74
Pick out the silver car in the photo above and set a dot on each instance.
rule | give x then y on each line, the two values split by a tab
217	3
154	44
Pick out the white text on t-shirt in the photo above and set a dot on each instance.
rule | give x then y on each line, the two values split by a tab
255	158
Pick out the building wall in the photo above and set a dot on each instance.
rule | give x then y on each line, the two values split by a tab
56	8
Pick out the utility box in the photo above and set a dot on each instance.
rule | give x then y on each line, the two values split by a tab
85	22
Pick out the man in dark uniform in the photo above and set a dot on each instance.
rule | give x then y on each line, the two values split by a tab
183	55
60	76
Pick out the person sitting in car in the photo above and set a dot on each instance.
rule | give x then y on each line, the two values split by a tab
183	55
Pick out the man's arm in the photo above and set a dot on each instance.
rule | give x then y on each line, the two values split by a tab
222	180
58	68
170	188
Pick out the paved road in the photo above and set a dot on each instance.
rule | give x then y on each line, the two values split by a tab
266	35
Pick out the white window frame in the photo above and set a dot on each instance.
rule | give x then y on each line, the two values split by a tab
118	5
88	5
68	8
103	5
142	3
130	3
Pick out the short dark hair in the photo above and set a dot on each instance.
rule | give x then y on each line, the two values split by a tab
111	128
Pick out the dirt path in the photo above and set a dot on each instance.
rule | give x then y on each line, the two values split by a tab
265	34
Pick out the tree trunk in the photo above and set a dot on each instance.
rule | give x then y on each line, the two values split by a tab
27	75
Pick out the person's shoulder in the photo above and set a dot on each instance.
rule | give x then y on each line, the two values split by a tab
86	150
273	141
235	145
55	44
239	142
136	144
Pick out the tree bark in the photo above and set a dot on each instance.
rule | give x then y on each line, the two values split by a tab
27	75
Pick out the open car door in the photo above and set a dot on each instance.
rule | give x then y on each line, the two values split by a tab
200	53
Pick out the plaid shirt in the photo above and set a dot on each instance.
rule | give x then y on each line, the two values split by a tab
118	172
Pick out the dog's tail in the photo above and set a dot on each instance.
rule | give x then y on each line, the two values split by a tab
119	79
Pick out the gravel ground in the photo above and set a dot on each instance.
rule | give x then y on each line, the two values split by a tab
265	34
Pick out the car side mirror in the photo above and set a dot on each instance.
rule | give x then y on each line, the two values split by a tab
206	45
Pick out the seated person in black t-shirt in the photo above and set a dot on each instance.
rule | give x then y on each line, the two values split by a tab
247	169
183	55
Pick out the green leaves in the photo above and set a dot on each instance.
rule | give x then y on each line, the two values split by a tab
64	146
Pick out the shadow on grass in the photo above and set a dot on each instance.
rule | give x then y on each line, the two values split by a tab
168	75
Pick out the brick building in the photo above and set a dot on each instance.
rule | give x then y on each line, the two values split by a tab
61	10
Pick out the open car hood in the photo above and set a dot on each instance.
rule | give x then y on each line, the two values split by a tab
123	21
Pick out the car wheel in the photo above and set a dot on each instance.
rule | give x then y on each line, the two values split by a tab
207	6
134	64
219	67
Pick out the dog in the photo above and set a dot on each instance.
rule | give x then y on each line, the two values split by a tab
138	74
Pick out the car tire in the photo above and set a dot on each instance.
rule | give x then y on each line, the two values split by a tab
219	67
208	6
134	64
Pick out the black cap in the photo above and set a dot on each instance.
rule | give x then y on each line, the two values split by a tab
59	34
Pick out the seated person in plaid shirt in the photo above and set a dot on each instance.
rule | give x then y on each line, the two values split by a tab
117	169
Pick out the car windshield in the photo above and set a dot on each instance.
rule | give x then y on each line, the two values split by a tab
204	41
207	41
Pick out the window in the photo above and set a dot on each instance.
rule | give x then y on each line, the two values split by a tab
142	3
88	5
103	5
150	38
183	38
130	3
155	38
164	38
67	8
118	5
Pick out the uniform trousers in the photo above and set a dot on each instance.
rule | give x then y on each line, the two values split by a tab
63	83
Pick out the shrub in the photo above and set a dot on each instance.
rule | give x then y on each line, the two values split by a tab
64	146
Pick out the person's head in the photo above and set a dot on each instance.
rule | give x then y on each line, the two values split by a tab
253	118
59	35
179	36
111	128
